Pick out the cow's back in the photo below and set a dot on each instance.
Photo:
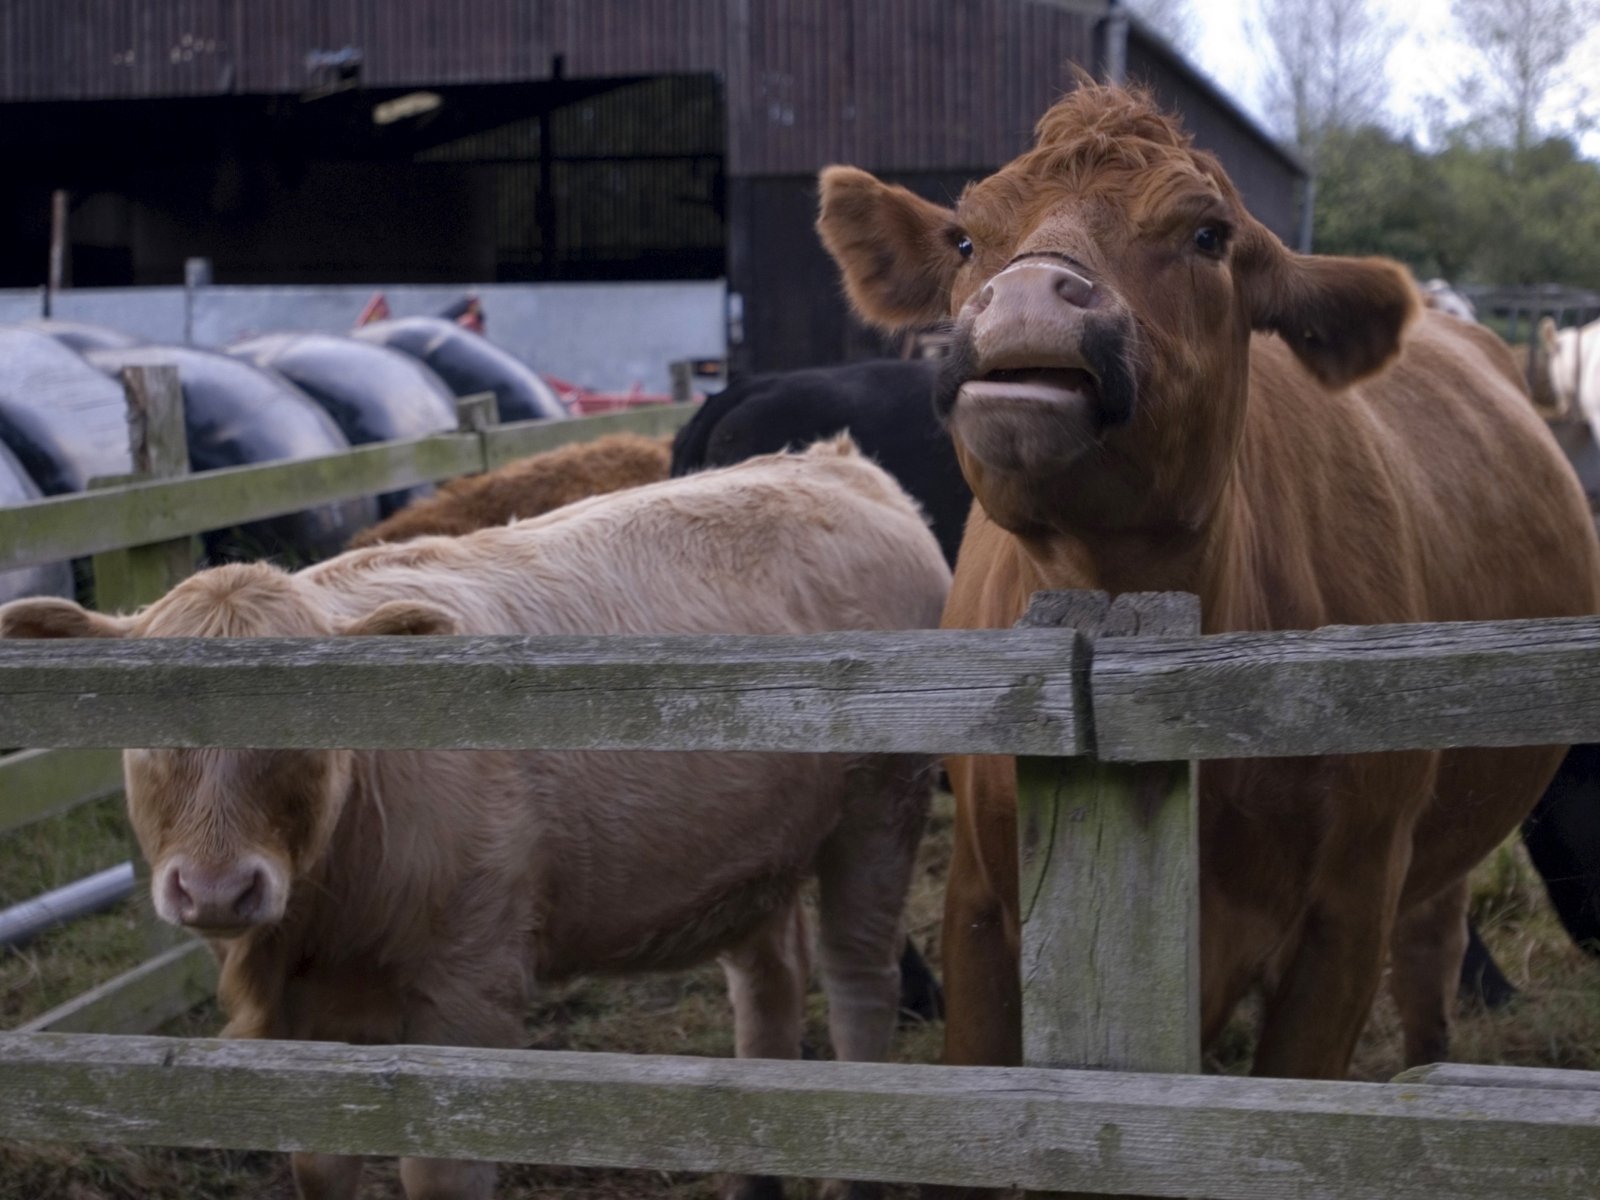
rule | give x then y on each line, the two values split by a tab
791	543
1431	492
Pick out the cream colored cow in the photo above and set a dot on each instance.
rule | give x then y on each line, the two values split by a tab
417	897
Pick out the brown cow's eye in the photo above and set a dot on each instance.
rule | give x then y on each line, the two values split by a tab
963	245
1210	239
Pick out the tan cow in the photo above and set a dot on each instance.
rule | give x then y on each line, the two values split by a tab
389	896
1128	422
528	487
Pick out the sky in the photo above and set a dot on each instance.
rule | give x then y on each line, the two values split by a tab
1426	59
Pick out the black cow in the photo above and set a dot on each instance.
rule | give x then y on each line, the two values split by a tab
1562	835
887	406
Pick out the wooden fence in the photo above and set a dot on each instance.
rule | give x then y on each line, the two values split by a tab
1109	705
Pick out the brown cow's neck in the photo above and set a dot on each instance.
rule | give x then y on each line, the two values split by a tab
1173	558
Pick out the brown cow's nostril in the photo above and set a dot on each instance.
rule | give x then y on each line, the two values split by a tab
984	298
1074	288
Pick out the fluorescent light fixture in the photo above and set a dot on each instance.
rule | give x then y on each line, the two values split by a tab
412	104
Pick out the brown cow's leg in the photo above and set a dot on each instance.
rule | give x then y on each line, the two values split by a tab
446	1179
1324	995
326	1176
982	980
1481	795
1425	966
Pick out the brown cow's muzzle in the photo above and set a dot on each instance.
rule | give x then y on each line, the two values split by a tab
1040	366
219	900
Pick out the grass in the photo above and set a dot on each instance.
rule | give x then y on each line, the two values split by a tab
68	960
1555	1022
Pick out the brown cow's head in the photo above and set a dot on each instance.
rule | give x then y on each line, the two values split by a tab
227	832
1104	287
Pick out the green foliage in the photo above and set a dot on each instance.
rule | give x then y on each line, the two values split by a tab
1471	211
1379	195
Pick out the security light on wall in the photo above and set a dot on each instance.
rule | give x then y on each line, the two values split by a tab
412	104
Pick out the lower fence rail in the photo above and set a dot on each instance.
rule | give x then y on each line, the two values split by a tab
138	1000
1050	1130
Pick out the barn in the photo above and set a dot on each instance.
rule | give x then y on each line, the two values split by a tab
420	141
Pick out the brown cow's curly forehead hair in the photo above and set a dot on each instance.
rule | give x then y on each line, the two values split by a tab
1106	140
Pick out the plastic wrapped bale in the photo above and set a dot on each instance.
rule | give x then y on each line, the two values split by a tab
237	414
468	363
82	337
65	421
46	579
373	393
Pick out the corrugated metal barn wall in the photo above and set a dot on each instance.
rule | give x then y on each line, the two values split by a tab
890	84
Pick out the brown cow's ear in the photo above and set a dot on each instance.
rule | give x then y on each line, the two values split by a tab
896	250
1342	317
51	617
401	618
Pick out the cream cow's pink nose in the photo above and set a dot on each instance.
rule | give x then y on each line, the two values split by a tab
222	897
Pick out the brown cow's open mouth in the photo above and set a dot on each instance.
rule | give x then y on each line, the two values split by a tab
1043	385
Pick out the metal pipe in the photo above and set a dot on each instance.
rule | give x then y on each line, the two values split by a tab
27	920
1308	212
1116	43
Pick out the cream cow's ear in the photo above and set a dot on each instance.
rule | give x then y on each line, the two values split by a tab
53	617
401	618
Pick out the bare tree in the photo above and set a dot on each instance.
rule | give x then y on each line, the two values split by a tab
1172	19
1524	46
1326	67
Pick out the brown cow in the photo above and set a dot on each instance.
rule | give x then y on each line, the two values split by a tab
1126	424
397	896
528	487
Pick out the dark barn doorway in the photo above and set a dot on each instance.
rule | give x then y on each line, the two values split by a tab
554	180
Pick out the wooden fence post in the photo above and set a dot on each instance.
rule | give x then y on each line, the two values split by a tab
477	413
127	579
682	373
1109	881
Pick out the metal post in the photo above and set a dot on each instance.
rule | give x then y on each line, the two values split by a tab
57	277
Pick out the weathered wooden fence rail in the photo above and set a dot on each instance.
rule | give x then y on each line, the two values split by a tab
1020	691
1009	691
1048	693
1108	1132
141	513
